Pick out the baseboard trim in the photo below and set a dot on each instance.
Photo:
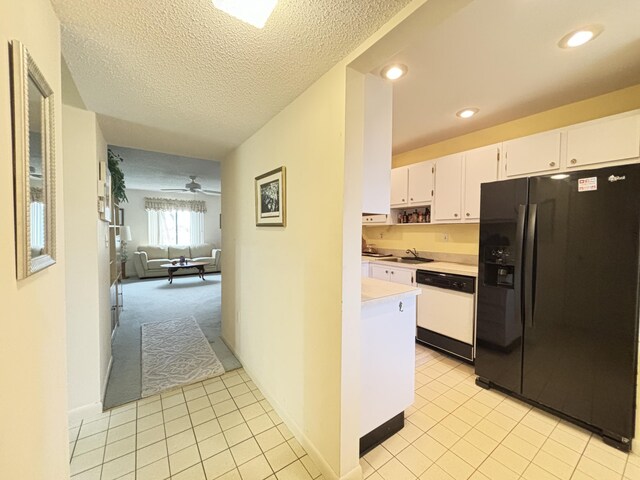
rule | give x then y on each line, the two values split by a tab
105	380
85	411
324	467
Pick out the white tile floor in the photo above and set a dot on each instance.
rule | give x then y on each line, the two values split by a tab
456	430
221	428
224	429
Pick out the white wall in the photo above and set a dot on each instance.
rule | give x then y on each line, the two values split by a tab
87	272
136	217
33	403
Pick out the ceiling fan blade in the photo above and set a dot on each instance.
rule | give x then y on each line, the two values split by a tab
206	192
174	189
215	192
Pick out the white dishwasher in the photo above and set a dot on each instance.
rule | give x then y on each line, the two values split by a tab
446	312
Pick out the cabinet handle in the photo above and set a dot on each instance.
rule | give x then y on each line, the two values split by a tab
411	279
392	272
455	215
468	214
573	161
403	199
386	271
412	199
400	307
552	164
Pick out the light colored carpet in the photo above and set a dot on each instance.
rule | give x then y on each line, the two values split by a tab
154	300
175	353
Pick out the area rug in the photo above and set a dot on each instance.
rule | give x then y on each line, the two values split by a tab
175	353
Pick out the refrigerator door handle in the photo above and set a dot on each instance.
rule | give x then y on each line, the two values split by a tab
529	280
517	277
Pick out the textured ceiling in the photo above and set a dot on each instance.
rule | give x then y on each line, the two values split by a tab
501	56
183	77
145	170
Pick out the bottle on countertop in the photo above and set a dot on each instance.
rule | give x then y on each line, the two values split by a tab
427	215
405	217
400	217
414	216
420	217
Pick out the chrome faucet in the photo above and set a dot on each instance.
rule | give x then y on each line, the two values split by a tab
413	252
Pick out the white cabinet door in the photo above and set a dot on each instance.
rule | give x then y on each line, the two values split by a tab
533	154
480	166
380	272
365	269
399	184
402	275
376	143
448	189
606	141
421	182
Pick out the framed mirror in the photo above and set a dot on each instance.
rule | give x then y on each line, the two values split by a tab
34	164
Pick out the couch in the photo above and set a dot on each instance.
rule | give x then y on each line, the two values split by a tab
148	258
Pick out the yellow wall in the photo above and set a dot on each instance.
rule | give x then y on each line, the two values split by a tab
281	296
430	238
33	403
89	310
601	106
464	238
291	296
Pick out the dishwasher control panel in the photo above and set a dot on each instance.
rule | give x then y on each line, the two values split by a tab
447	281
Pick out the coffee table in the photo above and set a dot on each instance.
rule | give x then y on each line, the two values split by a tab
174	268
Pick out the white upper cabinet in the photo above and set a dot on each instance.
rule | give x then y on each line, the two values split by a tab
421	183
399	186
412	185
604	141
376	115
533	154
480	166
448	189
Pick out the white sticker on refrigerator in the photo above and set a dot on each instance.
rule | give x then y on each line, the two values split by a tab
587	184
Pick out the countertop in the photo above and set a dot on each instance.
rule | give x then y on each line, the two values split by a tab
378	290
441	267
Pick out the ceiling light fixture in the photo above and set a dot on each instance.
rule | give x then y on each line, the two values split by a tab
395	71
580	36
253	12
467	112
559	176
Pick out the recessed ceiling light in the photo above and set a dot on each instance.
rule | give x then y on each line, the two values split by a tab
580	36
559	176
467	112
253	12
394	72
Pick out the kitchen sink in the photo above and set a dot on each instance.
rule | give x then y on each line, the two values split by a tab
410	260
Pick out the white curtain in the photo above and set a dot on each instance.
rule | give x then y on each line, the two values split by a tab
176	227
197	228
152	218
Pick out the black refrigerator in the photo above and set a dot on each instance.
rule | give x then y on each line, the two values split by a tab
558	290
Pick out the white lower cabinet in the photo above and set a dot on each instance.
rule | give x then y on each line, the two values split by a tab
365	269
406	276
387	359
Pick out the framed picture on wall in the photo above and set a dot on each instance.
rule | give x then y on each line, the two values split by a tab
104	192
271	199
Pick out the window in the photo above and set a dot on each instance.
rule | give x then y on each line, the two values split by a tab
175	227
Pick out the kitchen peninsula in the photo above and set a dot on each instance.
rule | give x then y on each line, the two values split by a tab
387	358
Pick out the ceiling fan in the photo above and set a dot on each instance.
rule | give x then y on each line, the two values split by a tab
193	187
